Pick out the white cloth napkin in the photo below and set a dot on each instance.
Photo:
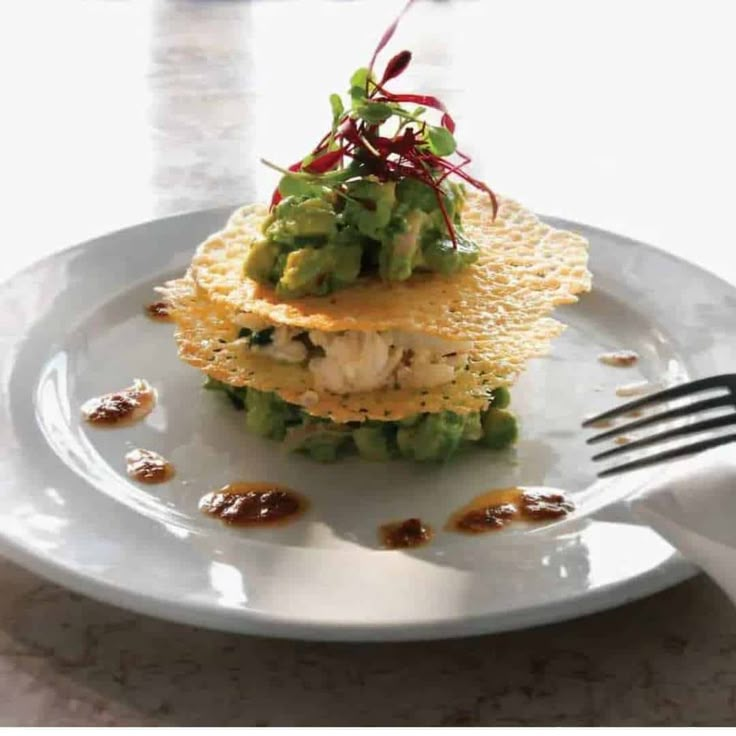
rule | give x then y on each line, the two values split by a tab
692	504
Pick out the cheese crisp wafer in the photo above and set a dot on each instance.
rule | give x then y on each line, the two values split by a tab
525	269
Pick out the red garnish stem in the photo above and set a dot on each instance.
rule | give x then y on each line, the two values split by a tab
325	162
387	36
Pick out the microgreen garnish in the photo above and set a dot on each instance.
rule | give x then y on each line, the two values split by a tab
358	144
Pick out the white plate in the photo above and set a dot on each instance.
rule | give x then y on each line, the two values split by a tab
73	328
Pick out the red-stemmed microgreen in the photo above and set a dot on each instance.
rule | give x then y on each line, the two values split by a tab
358	145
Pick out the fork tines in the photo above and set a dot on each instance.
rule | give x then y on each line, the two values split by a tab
728	399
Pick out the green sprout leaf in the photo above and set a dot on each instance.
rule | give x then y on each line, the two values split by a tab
358	83
360	77
441	141
295	186
374	113
354	170
337	109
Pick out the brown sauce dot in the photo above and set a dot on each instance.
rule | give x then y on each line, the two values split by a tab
487	518
126	406
403	534
544	504
253	504
498	508
159	311
148	466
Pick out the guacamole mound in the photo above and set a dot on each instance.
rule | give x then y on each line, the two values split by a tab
422	437
318	242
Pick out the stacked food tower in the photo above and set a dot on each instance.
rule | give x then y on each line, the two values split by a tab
386	300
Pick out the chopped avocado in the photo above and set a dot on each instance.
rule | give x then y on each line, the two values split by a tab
472	429
410	421
374	440
345	263
405	442
420	437
369	206
438	436
327	445
236	394
396	260
454	201
212	384
442	256
306	272
435	437
499	429
268	415
416	195
501	397
323	448
319	270
315	243
300	219
260	262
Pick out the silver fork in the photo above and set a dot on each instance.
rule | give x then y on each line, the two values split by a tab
725	382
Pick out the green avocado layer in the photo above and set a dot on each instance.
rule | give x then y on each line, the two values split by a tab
422	437
318	242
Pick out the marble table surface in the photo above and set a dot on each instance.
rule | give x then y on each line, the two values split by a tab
613	113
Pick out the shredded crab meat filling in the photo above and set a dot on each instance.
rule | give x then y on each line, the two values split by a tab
353	361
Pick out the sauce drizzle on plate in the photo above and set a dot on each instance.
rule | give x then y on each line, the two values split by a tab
499	507
405	534
254	504
619	358
148	466
121	407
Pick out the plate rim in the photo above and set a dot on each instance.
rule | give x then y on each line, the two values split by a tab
671	572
